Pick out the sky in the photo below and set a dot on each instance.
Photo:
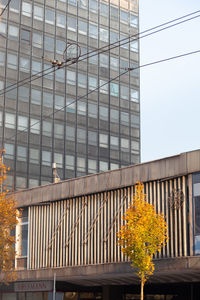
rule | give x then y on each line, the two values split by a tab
170	91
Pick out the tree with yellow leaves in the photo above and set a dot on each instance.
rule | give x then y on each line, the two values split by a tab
143	235
8	221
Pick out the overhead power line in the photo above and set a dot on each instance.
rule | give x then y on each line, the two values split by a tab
100	86
102	50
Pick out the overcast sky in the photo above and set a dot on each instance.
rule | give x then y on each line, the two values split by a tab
170	91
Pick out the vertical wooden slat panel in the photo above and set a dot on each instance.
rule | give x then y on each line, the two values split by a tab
180	221
171	223
163	199
111	237
104	228
190	217
92	217
167	217
158	200
175	225
88	229
29	237
41	230
184	188
115	207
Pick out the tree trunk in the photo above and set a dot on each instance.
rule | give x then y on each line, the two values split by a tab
142	289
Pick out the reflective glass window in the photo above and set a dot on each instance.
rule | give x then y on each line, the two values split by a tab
103	113
70	133
69	162
114	115
23	94
11	61
93	31
114	142
104	35
71	77
114	166
124	92
35	126
124	16
59	102
133	21
124	144
9	120
104	60
48	99
103	166
114	89
134	95
21	184
81	108
49	16
82	80
124	118
83	4
49	44
58	131
60	46
36	96
33	183
36	67
135	121
58	159
70	105
103	87
24	64
72	2
134	46
92	138
13	32
2	28
46	158
21	153
25	36
34	156
14	6
92	110
47	128
37	40
26	9
114	12
135	147
114	63
82	27
93	6
9	154
81	135
60	75
125	41
93	59
61	20
104	9
92	166
71	24
114	37
2	59
38	13
81	164
92	83
103	140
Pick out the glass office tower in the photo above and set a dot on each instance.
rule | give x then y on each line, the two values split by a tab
98	132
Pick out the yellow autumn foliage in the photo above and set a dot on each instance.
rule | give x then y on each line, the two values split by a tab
8	221
143	235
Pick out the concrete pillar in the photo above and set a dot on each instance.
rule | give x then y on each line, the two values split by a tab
112	293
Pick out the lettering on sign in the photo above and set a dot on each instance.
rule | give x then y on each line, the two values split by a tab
34	286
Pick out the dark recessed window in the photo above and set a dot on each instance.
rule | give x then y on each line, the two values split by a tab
25	36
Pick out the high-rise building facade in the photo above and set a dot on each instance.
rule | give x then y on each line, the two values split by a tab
100	130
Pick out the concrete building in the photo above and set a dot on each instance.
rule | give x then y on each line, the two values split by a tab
69	229
100	131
